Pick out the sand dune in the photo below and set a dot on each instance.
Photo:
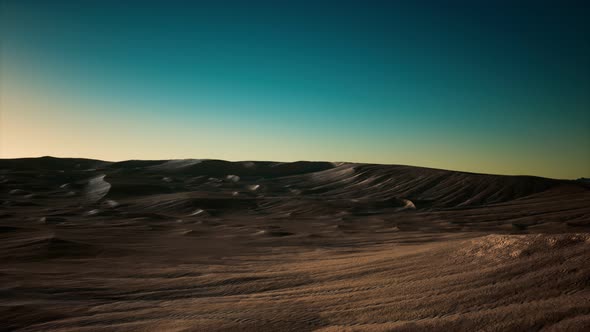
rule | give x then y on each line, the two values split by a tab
211	245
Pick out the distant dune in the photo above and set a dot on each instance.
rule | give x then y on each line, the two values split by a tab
211	245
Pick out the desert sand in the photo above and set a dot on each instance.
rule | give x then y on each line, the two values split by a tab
210	245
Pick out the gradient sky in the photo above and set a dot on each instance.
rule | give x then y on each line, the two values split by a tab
501	87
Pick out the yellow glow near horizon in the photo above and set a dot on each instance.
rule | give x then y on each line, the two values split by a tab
36	123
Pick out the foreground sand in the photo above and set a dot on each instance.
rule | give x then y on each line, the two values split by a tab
200	245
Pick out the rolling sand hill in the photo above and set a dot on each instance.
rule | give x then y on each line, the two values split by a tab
210	245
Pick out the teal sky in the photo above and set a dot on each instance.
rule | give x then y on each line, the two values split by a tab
498	87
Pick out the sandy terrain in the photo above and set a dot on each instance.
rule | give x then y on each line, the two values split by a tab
206	245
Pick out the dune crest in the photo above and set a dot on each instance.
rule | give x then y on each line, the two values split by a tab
96	189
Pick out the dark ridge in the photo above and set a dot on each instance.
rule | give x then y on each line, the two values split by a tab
381	187
132	164
258	168
439	188
50	163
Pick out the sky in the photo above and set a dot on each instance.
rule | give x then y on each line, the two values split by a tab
483	86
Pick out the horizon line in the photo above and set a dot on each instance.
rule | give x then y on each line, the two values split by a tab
311	161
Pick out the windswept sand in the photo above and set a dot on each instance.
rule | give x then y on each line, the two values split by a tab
208	245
